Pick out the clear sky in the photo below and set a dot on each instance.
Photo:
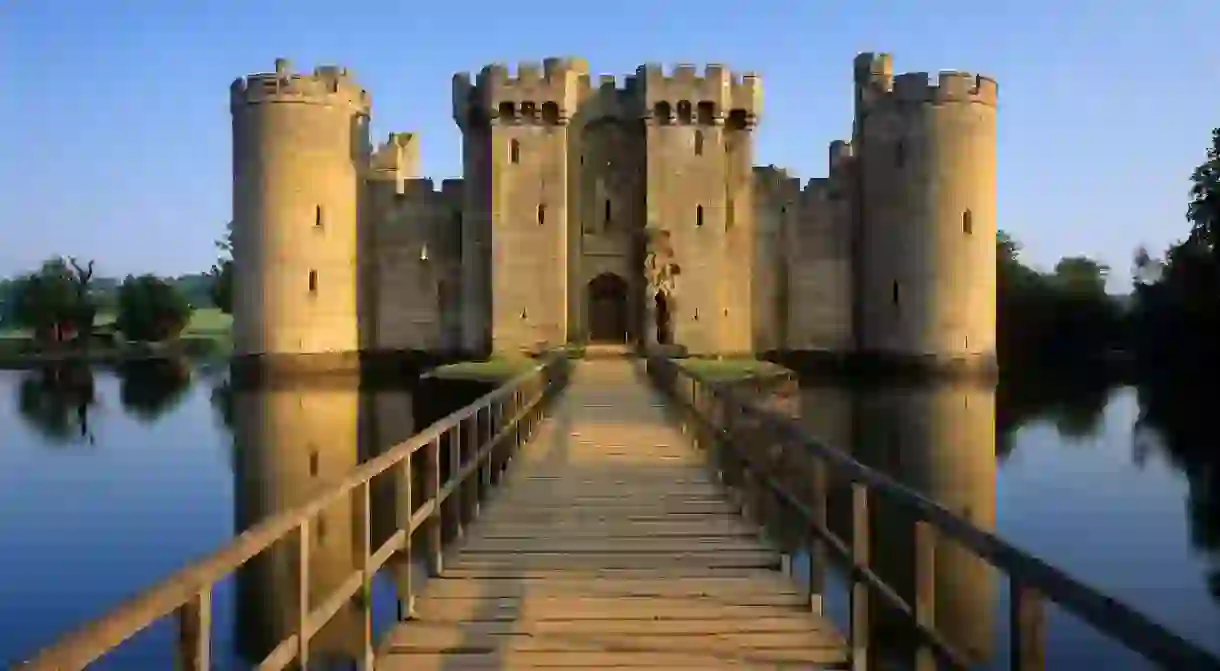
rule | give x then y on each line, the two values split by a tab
114	122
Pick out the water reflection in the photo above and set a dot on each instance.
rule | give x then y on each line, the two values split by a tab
1180	416
149	388
941	441
56	400
288	442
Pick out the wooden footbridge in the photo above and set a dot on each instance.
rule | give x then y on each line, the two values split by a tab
624	535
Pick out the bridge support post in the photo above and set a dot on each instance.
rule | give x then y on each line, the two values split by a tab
434	524
859	587
406	511
925	590
364	551
1028	621
195	632
303	534
817	542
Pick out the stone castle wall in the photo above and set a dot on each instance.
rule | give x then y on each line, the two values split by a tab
341	249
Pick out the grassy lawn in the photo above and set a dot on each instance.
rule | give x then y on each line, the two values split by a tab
495	369
720	370
207	330
208	322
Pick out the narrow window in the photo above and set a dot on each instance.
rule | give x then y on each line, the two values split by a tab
541	214
894	292
313	463
606	214
900	154
968	222
698	215
783	211
698	143
514	151
320	525
317	216
313	281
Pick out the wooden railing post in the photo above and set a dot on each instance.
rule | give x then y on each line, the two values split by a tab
495	413
925	591
483	427
432	531
303	606
458	495
1027	622
195	632
406	510
817	543
859	587
364	552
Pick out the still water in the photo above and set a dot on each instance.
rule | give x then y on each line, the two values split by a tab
110	479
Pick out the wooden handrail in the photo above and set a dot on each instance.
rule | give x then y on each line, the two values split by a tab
719	409
188	591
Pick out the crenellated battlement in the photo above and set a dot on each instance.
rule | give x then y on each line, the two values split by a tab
397	156
328	85
537	93
685	96
950	87
876	84
610	100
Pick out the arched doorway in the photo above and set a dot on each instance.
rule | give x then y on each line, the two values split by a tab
665	334
607	309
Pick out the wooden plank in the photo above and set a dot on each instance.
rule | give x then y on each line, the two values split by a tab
560	660
601	545
544	607
721	585
608	545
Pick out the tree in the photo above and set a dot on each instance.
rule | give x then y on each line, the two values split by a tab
1081	275
150	309
222	272
50	303
1203	212
81	278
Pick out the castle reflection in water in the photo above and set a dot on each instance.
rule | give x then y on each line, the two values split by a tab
939	440
289	441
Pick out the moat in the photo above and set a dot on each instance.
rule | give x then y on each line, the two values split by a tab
124	476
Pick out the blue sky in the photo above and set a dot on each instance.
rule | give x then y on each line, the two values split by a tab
114	126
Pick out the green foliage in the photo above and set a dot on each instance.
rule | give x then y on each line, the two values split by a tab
150	310
221	274
1177	299
1062	316
53	302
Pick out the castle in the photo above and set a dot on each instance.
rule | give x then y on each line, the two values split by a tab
616	211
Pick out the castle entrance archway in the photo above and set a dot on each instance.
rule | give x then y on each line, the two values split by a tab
607	309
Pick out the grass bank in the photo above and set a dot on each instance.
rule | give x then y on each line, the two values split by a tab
208	333
731	370
494	370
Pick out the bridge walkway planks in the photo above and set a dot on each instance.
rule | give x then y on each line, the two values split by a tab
610	545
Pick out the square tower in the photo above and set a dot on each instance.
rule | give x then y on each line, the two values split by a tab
699	198
515	219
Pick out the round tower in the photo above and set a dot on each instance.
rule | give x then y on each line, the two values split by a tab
299	145
926	205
